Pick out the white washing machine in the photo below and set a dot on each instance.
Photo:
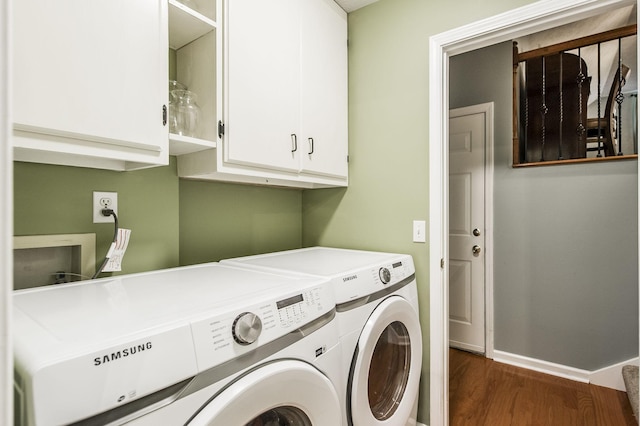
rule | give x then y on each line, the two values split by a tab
377	309
199	345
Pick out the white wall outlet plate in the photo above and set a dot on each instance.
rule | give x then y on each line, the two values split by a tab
102	200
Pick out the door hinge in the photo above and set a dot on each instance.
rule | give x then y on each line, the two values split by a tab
220	129
164	115
441	263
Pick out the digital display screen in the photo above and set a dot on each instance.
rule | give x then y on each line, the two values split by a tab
397	265
289	301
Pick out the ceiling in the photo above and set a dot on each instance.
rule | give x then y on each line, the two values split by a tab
351	5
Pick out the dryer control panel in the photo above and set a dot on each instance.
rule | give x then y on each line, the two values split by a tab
222	337
360	283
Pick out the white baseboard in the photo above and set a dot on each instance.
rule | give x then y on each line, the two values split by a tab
610	377
542	366
420	424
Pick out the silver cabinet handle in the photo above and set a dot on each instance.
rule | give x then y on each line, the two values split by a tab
311	146
294	142
476	250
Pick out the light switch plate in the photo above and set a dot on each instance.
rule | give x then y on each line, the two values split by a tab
419	231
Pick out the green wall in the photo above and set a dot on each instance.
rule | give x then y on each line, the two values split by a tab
388	137
219	220
174	222
58	200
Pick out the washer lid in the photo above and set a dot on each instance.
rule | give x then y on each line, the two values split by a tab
92	312
323	261
354	274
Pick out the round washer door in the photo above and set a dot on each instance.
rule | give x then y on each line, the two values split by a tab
284	392
385	372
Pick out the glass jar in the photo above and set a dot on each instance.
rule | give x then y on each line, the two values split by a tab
187	112
173	118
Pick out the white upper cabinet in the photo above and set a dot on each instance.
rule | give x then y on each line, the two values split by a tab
323	91
90	82
284	103
262	73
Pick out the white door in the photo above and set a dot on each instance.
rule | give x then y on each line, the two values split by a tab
288	392
467	134
385	372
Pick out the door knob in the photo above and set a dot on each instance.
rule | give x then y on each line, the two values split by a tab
476	232
476	250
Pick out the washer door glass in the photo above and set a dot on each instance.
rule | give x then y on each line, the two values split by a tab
385	372
281	416
389	371
279	393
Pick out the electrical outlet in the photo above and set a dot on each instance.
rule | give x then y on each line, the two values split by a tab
104	200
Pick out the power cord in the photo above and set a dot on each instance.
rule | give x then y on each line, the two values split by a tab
108	212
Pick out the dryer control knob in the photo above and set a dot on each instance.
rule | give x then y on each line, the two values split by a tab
246	328
385	275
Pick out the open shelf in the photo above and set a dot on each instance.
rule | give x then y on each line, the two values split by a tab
179	145
186	25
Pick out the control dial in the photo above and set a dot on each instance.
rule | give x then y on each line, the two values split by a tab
385	275
246	328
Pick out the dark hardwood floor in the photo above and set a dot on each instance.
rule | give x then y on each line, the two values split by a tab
485	392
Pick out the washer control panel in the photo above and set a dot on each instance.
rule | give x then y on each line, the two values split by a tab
219	338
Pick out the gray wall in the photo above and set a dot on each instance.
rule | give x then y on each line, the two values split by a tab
566	255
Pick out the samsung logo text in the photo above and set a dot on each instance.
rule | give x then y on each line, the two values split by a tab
114	356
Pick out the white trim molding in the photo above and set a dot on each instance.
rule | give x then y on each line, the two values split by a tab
609	377
6	224
529	19
541	366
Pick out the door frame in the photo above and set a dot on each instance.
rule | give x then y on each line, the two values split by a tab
488	110
538	16
6	212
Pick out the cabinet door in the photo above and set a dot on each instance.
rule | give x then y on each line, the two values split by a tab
262	75
93	73
324	88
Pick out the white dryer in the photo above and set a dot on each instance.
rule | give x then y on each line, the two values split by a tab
377	306
199	345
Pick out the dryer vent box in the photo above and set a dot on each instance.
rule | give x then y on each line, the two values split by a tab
52	259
